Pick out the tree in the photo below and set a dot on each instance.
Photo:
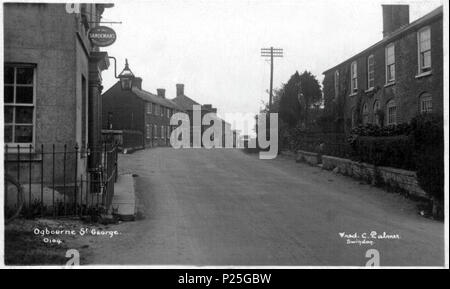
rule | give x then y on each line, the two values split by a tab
289	108
310	97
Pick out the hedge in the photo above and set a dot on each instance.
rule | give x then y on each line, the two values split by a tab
428	134
394	151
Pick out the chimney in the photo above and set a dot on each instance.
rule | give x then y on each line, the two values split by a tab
161	92
137	82
394	17
180	89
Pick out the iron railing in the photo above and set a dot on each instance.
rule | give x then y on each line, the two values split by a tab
56	180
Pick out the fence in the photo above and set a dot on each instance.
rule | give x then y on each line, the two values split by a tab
58	180
332	144
126	139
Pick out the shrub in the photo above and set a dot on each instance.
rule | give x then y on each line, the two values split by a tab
428	134
392	151
375	130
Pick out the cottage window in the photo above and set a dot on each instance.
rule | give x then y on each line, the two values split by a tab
354	117
149	131
426	103
390	63
376	111
370	72
365	113
19	99
391	112
424	45
149	107
336	84
354	77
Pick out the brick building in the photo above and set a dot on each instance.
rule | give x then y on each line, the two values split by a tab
393	80
188	105
140	113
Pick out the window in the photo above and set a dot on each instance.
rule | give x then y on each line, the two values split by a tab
390	63
149	131
19	95
365	113
370	72
391	112
376	111
168	132
424	46
336	84
155	131
354	77
162	132
149	107
426	103
163	109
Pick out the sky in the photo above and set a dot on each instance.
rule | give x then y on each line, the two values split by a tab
213	47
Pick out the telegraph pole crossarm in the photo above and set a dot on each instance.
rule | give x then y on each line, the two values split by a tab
271	52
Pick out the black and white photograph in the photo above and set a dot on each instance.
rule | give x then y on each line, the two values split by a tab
241	136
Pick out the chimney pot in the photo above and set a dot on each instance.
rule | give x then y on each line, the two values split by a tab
161	92
180	89
394	17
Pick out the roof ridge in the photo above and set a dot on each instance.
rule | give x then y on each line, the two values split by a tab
434	13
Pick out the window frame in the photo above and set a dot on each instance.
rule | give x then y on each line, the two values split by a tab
148	131
388	117
354	77
423	69
425	97
365	113
388	65
13	145
336	84
370	71
376	107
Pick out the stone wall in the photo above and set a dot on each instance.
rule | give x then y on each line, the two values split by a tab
308	157
396	178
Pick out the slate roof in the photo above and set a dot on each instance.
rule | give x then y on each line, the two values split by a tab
148	96
185	102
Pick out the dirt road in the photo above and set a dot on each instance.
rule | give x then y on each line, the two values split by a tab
224	207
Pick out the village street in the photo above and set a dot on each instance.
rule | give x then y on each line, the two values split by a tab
225	207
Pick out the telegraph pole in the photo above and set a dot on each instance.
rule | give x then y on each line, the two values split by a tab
271	52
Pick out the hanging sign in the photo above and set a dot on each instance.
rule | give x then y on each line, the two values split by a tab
102	36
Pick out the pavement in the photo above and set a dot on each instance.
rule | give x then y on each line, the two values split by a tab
124	200
225	207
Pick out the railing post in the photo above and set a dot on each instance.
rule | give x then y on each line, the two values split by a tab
29	175
42	180
18	169
5	174
53	180
64	179
75	180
